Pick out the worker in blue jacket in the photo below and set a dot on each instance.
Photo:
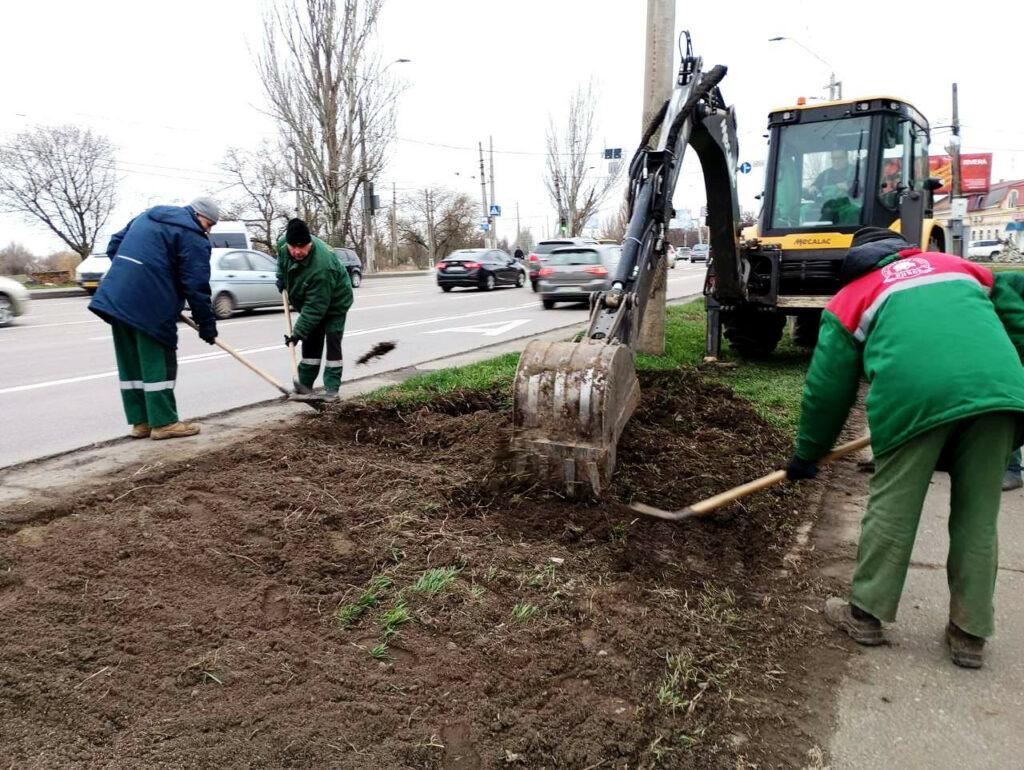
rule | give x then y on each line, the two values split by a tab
157	262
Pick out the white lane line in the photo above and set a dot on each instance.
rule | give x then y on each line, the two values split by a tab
46	326
213	355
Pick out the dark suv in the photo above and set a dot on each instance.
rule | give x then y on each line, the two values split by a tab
350	260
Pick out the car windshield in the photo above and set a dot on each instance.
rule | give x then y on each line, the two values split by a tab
546	247
819	179
228	240
581	257
464	256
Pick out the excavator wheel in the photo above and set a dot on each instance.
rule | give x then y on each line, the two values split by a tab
753	333
571	402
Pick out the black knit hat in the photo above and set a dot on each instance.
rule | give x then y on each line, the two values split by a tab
872	234
297	233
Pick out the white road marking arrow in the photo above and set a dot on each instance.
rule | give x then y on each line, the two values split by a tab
488	330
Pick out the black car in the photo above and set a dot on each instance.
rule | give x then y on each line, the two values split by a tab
480	269
350	260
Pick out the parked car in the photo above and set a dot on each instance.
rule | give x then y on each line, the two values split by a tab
242	280
91	270
539	254
353	264
700	252
571	273
479	268
682	253
984	249
13	300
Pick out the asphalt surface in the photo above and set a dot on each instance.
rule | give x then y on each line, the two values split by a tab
58	378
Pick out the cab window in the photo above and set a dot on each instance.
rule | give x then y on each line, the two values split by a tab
904	159
820	173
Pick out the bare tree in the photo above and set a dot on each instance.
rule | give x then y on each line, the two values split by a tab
615	226
62	176
15	259
262	179
333	103
576	192
438	221
526	240
60	260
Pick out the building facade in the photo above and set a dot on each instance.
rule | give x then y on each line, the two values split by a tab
994	215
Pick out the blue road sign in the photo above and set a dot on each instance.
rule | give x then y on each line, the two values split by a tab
495	210
484	226
745	167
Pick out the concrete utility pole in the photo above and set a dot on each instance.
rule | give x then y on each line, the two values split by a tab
956	225
658	80
483	192
430	225
394	227
492	221
518	231
368	251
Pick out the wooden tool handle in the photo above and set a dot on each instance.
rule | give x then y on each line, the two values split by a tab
773	478
237	356
288	323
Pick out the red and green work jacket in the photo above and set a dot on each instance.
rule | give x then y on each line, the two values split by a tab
936	338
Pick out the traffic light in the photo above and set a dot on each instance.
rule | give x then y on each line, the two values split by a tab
563	225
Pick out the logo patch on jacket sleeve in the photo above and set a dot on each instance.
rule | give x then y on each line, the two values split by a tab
909	267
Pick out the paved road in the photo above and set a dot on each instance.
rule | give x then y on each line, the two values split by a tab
58	382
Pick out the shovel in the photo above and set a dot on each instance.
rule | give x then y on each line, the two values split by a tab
302	393
249	365
705	507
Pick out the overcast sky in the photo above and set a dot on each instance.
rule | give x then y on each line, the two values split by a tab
174	84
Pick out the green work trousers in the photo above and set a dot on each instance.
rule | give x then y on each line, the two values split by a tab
147	371
328	334
975	452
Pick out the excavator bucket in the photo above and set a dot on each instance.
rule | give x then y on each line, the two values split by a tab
571	402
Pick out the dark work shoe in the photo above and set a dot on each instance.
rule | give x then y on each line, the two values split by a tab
1012	480
866	630
965	650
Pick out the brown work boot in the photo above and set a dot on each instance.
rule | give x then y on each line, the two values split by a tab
175	430
140	430
965	650
866	629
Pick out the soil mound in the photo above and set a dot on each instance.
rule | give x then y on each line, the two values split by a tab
370	589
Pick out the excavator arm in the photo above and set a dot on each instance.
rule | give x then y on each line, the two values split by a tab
573	399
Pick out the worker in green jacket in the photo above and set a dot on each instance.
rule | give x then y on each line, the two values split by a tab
319	288
938	341
1012	478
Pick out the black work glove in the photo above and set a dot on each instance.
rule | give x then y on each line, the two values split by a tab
290	340
280	284
208	332
800	469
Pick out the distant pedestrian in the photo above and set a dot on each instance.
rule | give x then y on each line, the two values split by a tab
157	262
937	339
320	289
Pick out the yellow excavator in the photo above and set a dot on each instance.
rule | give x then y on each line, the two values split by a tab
832	168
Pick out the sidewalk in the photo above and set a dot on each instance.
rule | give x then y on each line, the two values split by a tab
906	705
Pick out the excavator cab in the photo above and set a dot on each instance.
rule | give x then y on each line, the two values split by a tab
832	168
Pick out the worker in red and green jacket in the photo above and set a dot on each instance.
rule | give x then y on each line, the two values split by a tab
937	340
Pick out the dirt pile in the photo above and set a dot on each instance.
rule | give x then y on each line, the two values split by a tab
371	590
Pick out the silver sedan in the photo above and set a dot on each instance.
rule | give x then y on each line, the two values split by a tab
241	279
13	301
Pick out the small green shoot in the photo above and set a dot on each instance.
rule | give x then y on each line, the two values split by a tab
492	572
348	614
380	652
393	618
433	581
523	611
477	592
618	532
543	578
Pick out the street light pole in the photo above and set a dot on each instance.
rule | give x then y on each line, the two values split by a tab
835	87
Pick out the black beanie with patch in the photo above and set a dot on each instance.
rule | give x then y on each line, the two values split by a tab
297	233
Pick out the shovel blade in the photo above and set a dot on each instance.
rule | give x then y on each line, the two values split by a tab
571	403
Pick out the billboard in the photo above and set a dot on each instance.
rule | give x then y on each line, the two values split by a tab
975	171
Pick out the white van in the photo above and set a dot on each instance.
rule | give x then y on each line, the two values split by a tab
230	235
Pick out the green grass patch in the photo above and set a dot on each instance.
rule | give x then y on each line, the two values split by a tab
393	618
523	611
484	375
435	580
1003	267
348	614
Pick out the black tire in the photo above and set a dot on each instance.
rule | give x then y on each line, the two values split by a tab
488	283
357	279
753	333
993	255
547	303
6	310
446	289
520	280
805	329
223	305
